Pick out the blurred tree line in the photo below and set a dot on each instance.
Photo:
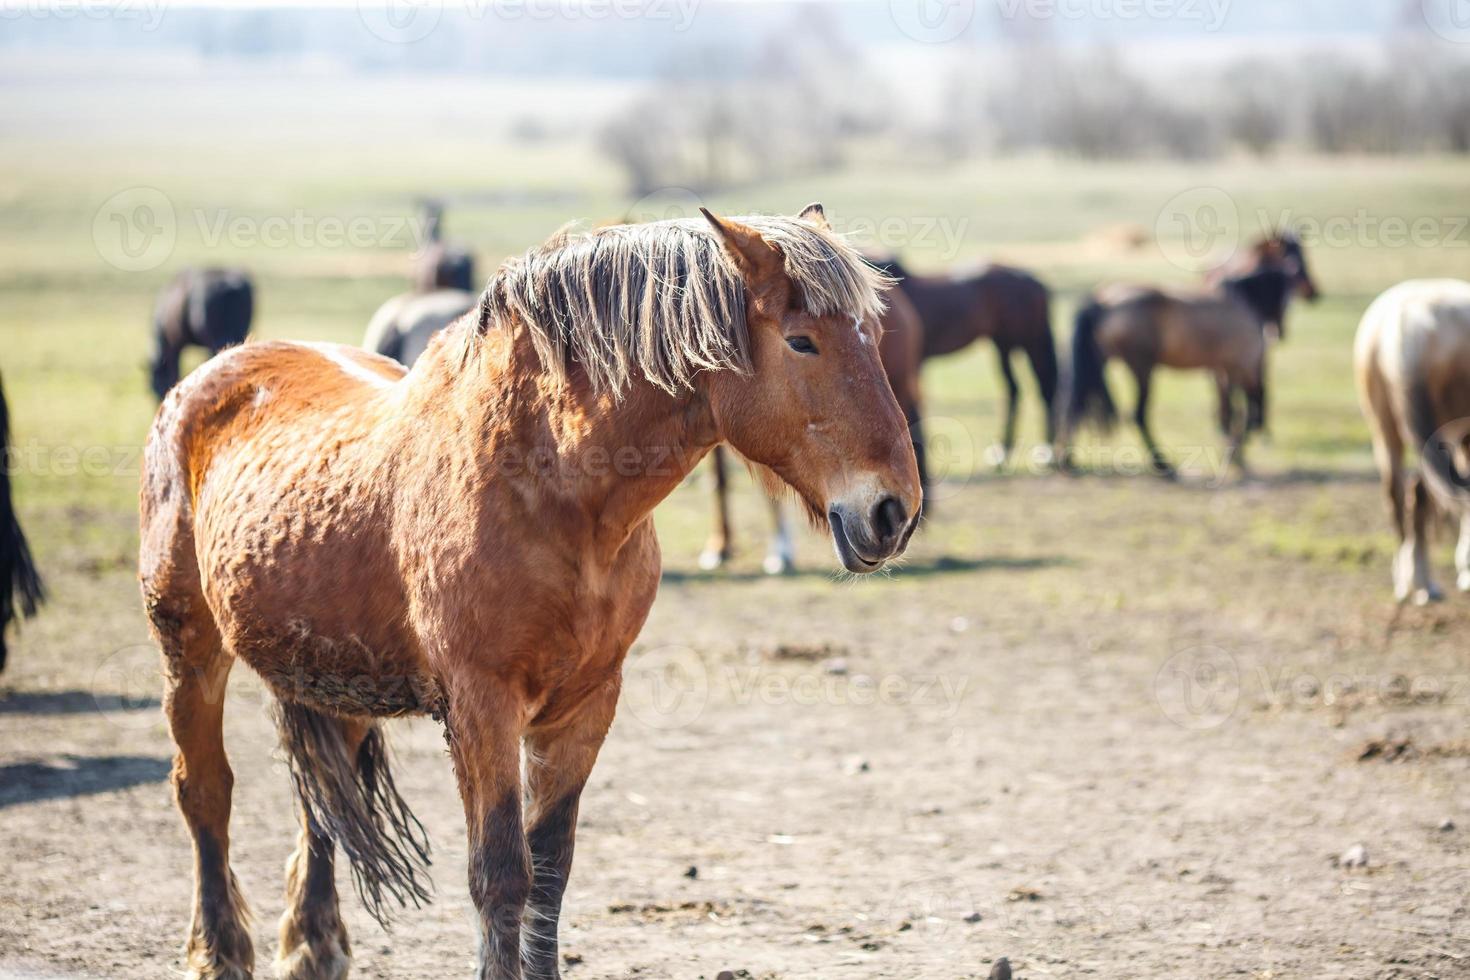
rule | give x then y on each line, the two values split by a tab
805	99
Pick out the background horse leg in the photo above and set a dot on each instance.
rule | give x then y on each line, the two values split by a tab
1412	576
717	550
780	553
219	944
558	764
1225	391
1462	553
1043	357
1143	374
314	942
914	415
997	455
484	740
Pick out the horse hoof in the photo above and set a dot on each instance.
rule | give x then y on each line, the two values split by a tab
995	456
219	971
778	565
711	559
306	963
1428	595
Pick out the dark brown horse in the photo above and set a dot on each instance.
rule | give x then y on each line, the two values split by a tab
21	590
473	540
1010	307
901	350
441	264
209	308
1216	330
1281	251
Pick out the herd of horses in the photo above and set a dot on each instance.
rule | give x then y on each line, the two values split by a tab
347	521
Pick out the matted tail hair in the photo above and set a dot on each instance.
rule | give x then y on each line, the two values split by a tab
663	301
353	800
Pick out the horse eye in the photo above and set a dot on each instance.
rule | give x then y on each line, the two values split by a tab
802	345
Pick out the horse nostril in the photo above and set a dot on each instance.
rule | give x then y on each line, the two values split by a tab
889	519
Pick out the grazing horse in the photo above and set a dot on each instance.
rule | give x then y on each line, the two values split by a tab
21	590
441	264
473	540
209	308
403	326
1282	251
1412	360
901	350
1009	306
1218	330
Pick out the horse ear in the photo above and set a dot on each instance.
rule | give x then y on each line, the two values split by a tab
814	213
757	259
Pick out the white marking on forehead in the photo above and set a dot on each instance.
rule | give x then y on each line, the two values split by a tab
349	366
857	327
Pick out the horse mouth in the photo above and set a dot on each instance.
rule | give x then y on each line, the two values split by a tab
847	553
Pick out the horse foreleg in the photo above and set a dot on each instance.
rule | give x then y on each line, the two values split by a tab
314	942
999	454
484	740
558	762
218	946
780	553
718	550
1412	576
1225	391
1462	553
1144	377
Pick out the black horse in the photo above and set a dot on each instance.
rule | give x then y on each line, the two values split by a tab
441	264
209	308
21	590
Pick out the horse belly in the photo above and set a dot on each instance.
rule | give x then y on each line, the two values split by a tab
306	593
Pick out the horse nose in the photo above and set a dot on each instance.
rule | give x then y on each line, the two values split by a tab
889	521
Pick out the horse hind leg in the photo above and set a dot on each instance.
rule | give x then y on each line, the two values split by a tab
314	944
1143	375
196	669
1462	554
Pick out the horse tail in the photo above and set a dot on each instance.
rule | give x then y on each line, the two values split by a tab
354	801
21	589
1089	397
1437	452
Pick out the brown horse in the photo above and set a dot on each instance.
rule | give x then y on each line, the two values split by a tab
209	308
1412	360
473	540
21	590
441	264
1217	330
901	350
1282	251
1010	307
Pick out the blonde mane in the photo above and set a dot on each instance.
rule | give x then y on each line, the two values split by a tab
663	301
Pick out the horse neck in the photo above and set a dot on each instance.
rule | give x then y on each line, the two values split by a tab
599	462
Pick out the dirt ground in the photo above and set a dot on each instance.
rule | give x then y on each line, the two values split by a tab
1104	726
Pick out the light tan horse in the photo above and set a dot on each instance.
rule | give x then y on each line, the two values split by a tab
901	349
1219	330
472	540
403	326
1412	359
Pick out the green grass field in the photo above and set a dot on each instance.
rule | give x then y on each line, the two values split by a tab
76	328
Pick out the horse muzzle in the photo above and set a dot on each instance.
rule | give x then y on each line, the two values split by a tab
866	537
